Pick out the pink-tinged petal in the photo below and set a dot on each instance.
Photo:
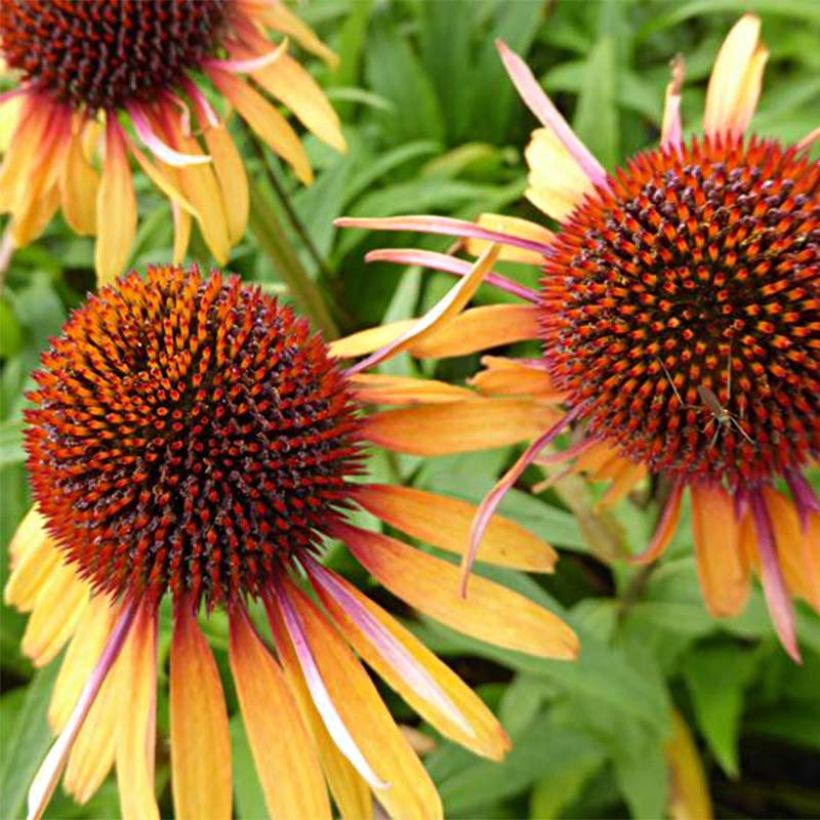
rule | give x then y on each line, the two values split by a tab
321	697
247	66
488	505
443	225
804	496
671	132
809	139
448	264
388	647
445	309
665	529
540	104
158	148
774	586
45	781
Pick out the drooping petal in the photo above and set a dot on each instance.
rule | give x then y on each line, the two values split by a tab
437	317
45	781
200	738
736	80
665	529
349	789
25	149
116	207
160	149
82	655
771	576
459	427
626	476
409	791
136	734
182	233
79	183
429	686
230	173
451	264
671	130
165	178
445	523
540	104
381	388
34	558
289	82
688	793
282	749
507	377
58	608
722	567
266	121
557	183
490	613
512	226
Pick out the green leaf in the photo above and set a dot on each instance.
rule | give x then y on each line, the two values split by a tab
596	117
11	442
562	784
25	744
250	801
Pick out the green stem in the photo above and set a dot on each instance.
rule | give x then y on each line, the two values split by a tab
274	243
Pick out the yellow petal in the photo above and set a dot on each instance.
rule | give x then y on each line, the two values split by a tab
490	612
59	606
410	792
33	558
736	80
279	17
445	523
266	121
722	567
514	226
24	151
688	789
182	233
557	183
366	341
9	120
286	80
477	729
200	739
78	189
380	388
625	479
459	427
136	734
165	178
116	208
282	749
349	789
80	659
230	172
507	377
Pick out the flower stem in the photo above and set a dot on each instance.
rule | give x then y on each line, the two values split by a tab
274	243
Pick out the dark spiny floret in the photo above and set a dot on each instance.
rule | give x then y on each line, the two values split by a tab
99	54
684	308
188	434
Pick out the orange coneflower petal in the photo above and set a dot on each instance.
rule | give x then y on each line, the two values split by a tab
165	178
289	82
136	734
490	612
200	738
34	557
556	182
10	110
60	604
722	567
366	341
688	790
230	173
508	377
626	475
116	207
266	121
445	523
349	789
797	547
513	226
79	183
736	80
82	655
440	429
665	529
381	388
408	790
24	151
182	232
282	748
428	685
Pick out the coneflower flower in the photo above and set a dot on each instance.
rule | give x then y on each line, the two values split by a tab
190	440
678	313
101	81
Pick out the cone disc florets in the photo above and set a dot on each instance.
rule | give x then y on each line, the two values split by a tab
682	308
188	434
98	54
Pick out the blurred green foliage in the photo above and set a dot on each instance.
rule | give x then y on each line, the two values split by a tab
434	126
